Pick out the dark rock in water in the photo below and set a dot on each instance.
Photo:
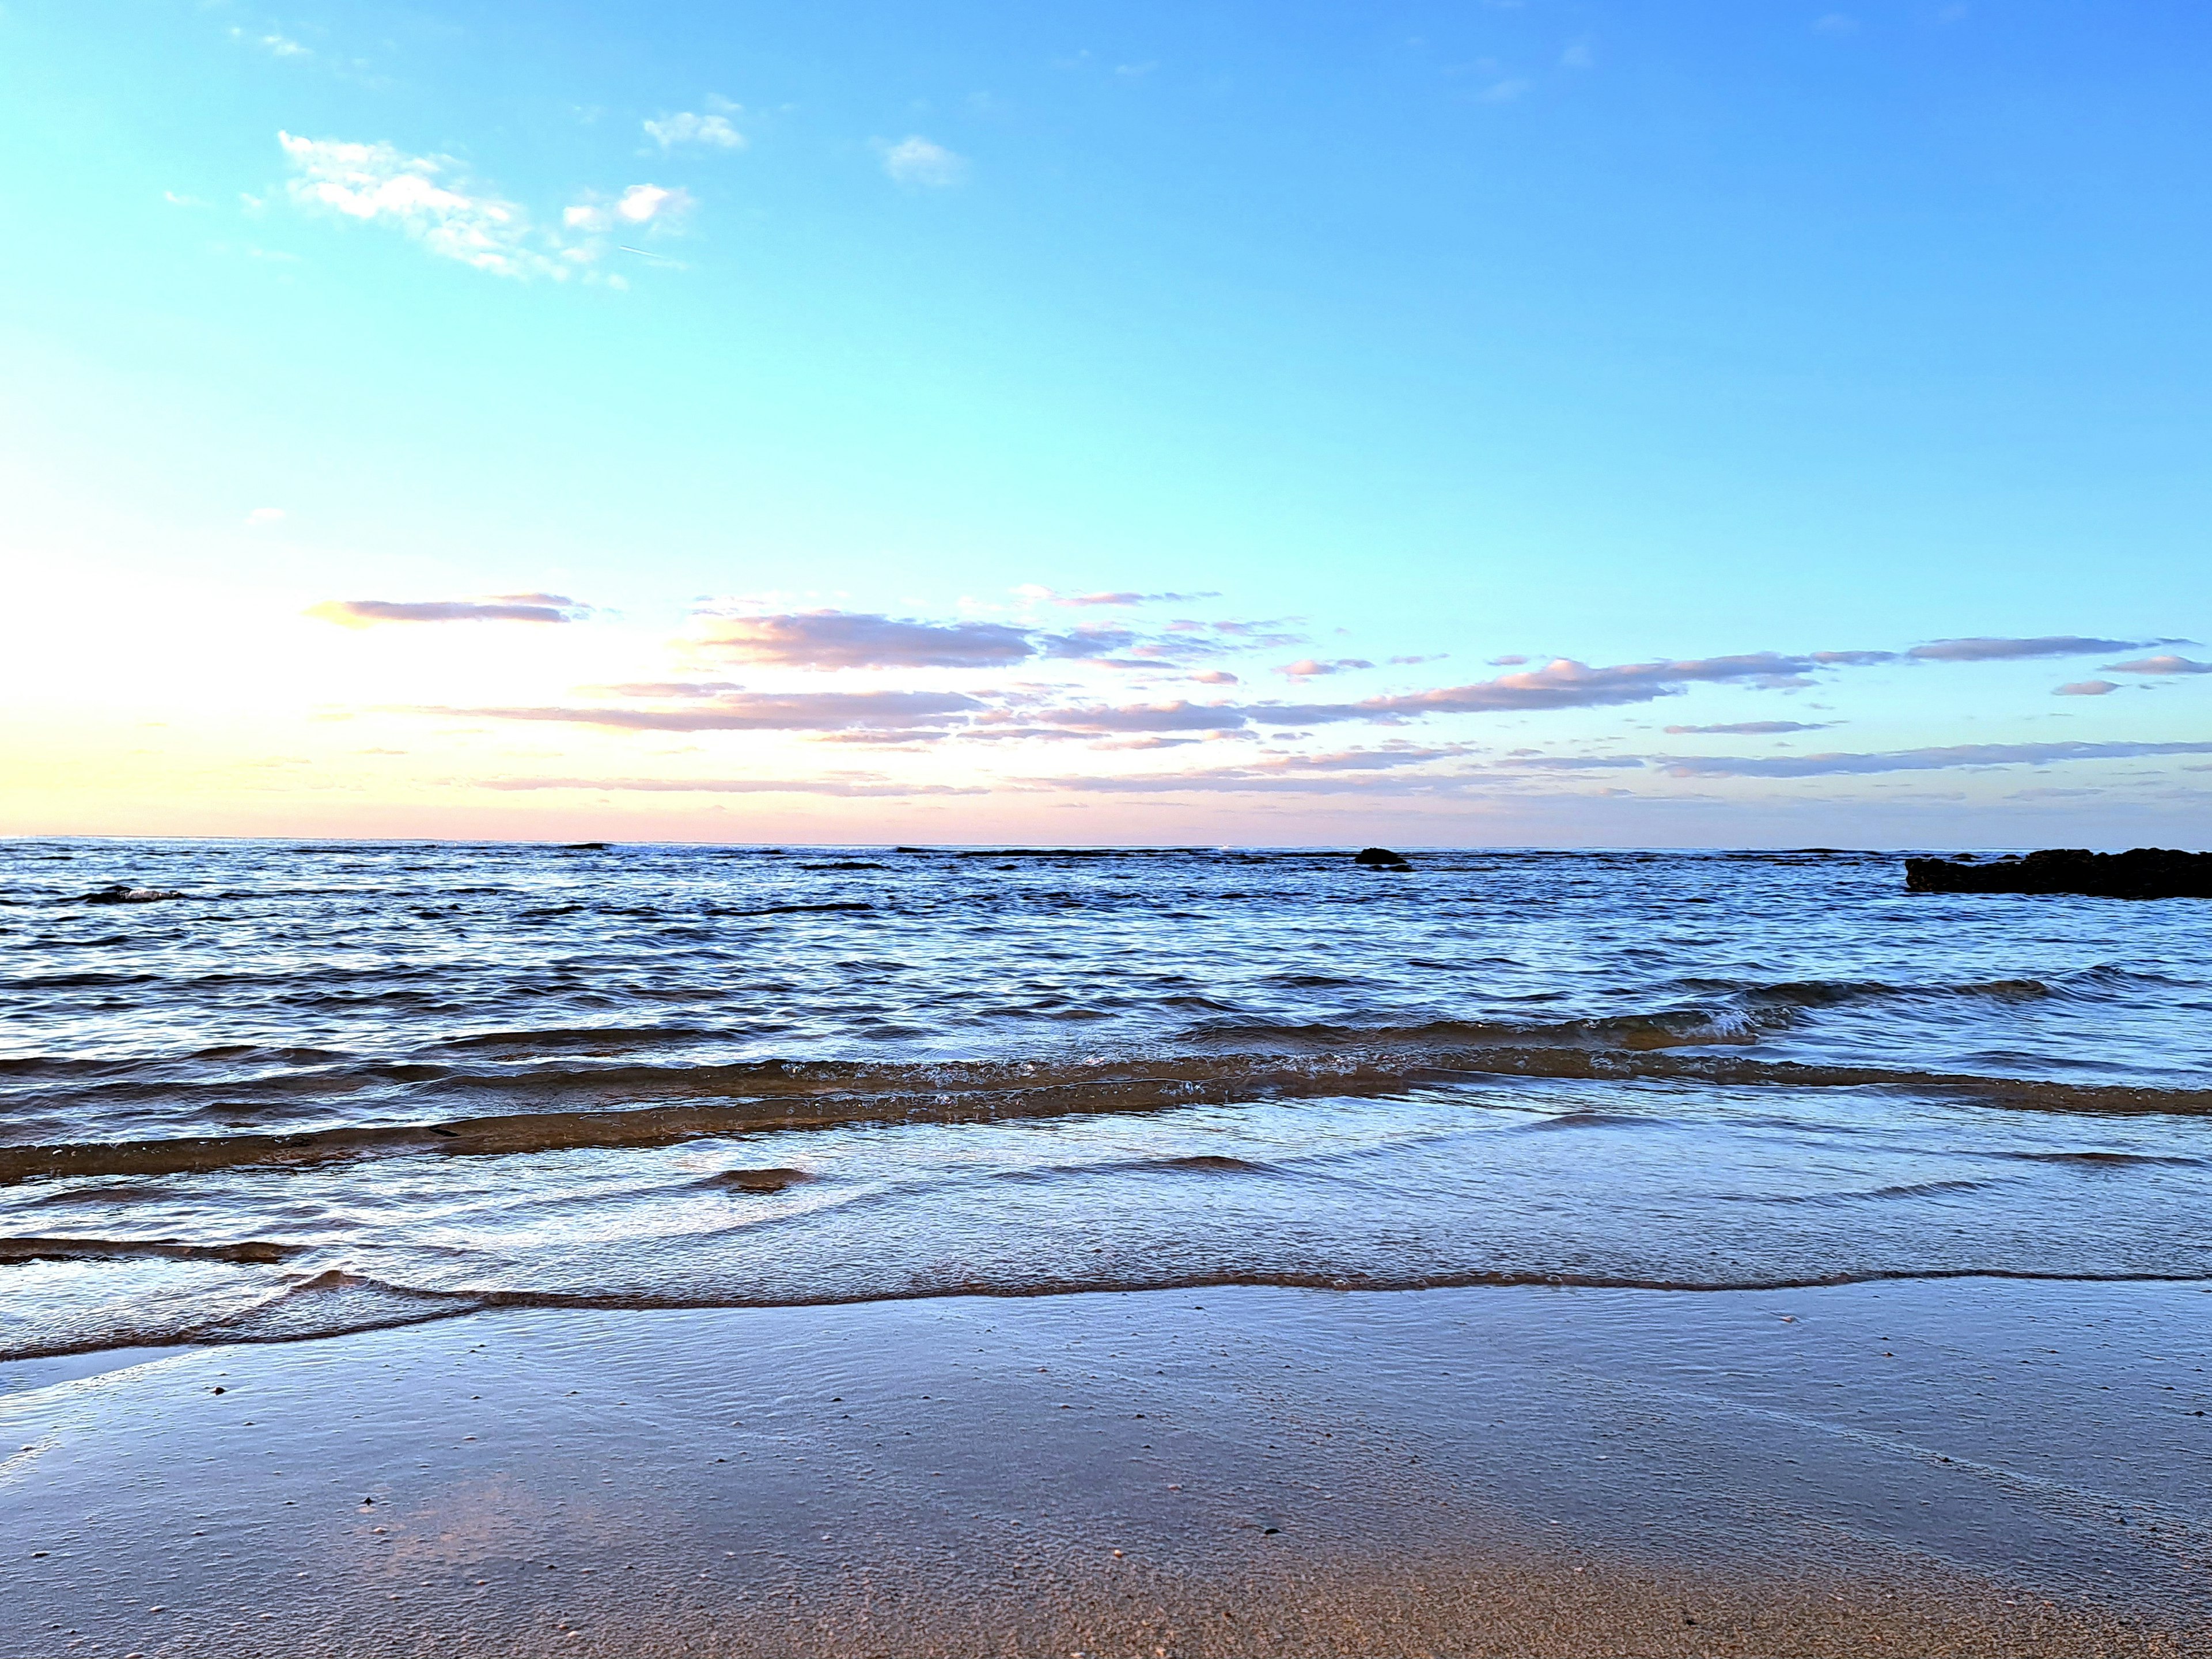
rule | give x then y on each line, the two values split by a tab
1380	858
123	893
759	1181
2148	872
588	846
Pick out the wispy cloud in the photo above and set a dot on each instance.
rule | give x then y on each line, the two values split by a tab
1749	728
501	607
424	196
1178	715
1916	760
431	199
1058	704
2001	650
1392	770
1031	590
276	44
849	787
916	161
700	131
1566	683
847	639
833	638
758	711
2086	689
1406	769
664	690
1572	763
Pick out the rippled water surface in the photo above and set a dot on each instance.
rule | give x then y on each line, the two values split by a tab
322	1087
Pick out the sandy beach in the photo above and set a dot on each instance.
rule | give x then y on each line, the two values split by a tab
1975	1466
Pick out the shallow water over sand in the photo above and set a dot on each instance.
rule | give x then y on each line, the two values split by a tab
330	1087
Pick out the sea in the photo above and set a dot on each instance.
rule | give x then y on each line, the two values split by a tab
267	1090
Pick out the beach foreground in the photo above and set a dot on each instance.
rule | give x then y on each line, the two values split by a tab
1973	1466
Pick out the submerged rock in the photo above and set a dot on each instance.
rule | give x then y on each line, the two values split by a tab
121	892
2146	872
1380	858
759	1181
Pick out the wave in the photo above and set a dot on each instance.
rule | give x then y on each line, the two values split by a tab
1683	1028
600	1039
337	1302
604	1107
1829	993
1863	1195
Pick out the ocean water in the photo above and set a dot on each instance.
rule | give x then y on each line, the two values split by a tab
330	1087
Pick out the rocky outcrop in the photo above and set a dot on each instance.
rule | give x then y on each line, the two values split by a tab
2148	872
1379	858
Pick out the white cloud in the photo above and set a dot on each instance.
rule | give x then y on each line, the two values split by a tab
422	195
429	198
642	202
266	516
175	200
639	204
275	44
713	131
915	161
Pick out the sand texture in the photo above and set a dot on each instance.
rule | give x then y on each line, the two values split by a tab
1975	1466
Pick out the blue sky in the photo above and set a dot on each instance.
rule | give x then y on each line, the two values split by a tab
786	354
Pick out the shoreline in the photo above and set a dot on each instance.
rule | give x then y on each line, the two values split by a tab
1904	1466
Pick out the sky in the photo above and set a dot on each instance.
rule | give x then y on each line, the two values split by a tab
1439	424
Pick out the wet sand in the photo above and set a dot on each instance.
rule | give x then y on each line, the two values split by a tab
1980	1465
